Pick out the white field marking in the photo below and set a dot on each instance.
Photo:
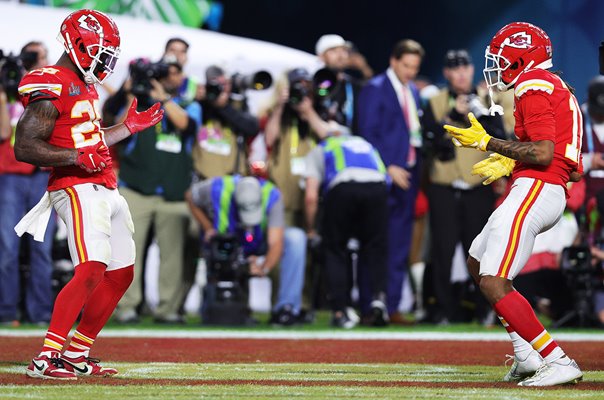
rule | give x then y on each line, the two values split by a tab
332	335
291	371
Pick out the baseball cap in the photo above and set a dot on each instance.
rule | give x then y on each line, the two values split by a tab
457	58
330	41
248	197
214	72
298	74
595	96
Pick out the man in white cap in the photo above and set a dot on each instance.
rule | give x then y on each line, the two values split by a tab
333	51
335	90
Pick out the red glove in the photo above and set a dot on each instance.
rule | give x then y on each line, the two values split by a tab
136	121
92	159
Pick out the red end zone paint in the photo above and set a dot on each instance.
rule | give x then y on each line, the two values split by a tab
20	350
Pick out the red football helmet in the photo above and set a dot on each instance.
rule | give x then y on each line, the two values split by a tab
92	41
515	48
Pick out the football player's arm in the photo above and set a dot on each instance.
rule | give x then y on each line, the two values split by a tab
31	137
540	152
116	133
134	122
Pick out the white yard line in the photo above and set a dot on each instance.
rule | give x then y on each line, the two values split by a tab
335	335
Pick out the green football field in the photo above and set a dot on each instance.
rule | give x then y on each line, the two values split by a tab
312	362
298	381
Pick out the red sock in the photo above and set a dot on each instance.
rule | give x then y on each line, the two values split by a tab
519	314
104	299
69	303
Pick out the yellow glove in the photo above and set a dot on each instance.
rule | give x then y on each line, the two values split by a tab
475	136
493	167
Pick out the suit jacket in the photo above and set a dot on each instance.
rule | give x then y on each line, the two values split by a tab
381	121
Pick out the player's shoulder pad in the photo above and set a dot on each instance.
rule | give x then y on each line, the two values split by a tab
44	82
534	80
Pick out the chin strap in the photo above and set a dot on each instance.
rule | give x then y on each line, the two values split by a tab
495	108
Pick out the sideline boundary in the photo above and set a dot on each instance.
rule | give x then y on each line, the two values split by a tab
327	335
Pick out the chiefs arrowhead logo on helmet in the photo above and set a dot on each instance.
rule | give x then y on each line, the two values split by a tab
89	22
92	41
516	47
520	40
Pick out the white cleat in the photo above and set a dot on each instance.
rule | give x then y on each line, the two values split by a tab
523	368
558	372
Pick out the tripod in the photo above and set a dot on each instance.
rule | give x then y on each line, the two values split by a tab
582	285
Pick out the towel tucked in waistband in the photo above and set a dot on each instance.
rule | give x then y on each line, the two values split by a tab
36	220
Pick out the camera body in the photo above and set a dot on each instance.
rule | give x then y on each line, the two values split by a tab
213	89
297	92
142	71
226	261
11	72
226	294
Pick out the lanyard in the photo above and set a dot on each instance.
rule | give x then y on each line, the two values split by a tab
295	138
348	107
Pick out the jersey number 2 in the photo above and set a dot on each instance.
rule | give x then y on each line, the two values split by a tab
86	133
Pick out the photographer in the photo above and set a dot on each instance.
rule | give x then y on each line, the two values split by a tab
155	171
22	186
337	94
176	50
292	129
459	204
227	126
251	209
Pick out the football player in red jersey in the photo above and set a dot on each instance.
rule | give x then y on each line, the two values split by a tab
60	128
544	159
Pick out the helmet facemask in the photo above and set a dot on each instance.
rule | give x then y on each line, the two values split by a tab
103	62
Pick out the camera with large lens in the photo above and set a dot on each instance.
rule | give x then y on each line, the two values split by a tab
325	81
325	84
11	72
239	84
226	293
257	81
142	71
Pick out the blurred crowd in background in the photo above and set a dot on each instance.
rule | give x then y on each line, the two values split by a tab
343	189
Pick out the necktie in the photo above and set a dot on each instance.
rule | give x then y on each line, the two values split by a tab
411	157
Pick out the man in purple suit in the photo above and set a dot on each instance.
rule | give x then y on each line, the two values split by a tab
388	112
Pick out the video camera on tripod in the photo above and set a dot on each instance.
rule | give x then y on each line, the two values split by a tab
226	293
582	280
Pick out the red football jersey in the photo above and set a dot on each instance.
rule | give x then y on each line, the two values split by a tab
545	109
78	124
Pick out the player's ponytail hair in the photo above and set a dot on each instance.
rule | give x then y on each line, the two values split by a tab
559	74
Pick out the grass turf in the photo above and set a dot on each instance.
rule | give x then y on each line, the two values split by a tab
298	381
